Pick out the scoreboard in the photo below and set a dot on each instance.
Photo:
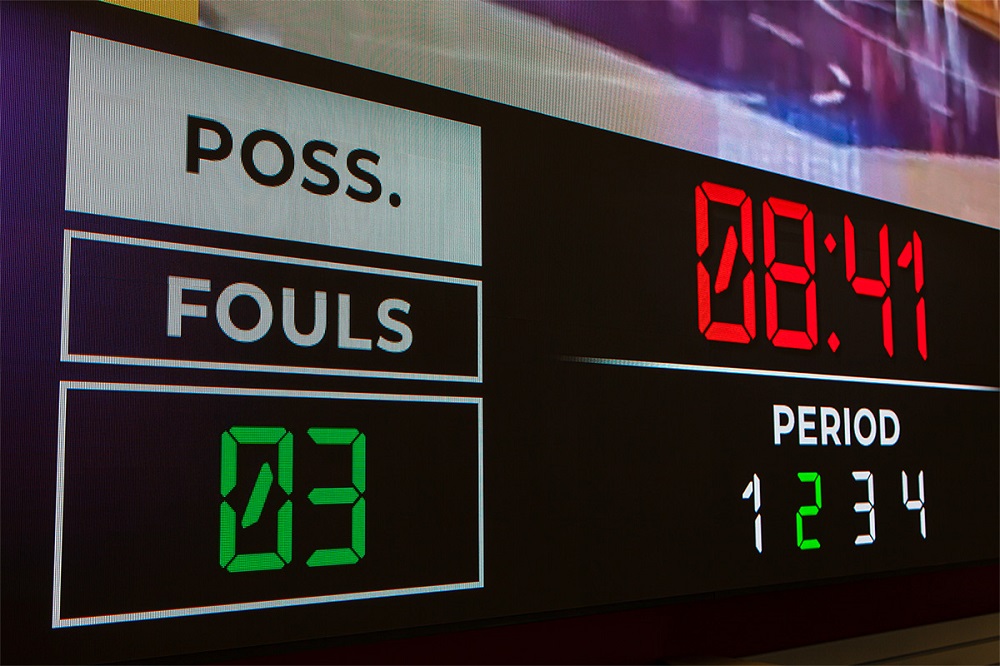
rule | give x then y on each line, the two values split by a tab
293	349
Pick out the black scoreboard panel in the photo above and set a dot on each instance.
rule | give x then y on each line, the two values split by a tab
668	376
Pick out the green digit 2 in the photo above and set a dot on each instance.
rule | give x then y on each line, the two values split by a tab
232	439
352	495
808	510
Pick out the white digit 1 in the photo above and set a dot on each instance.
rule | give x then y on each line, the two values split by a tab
867	507
916	504
753	490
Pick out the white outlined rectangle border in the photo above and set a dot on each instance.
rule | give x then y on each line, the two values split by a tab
66	386
70	235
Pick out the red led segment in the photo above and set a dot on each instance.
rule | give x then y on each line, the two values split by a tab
918	263
715	330
922	328
906	256
918	285
887	325
914	251
778	271
726	265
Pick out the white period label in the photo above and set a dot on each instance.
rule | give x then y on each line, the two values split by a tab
160	138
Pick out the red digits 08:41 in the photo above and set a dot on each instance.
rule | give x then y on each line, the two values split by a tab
743	332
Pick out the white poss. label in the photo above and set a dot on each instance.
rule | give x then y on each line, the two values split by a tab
159	138
825	425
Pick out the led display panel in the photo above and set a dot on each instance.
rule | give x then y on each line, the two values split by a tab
294	349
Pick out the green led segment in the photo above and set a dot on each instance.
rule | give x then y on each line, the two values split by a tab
358	457
228	464
285	531
333	495
328	557
358	527
227	534
260	490
333	435
257	434
808	510
231	440
329	496
255	562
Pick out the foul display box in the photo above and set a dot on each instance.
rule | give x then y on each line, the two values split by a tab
312	499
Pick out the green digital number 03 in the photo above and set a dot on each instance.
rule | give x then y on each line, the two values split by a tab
237	436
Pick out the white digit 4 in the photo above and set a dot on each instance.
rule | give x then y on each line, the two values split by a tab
916	504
